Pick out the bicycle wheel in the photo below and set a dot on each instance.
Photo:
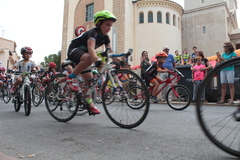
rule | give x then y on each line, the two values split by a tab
136	97
17	102
119	111
6	94
36	95
220	123
27	100
179	98
58	103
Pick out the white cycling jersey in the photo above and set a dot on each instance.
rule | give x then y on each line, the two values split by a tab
25	65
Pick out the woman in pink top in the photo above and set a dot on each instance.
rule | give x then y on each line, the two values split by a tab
199	73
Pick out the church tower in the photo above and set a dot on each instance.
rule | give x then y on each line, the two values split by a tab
207	24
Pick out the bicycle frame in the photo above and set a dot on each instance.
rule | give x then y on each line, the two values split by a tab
167	82
110	72
26	81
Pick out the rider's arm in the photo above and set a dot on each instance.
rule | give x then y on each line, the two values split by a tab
162	70
115	59
91	45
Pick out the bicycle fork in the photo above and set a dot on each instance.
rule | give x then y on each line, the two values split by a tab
174	91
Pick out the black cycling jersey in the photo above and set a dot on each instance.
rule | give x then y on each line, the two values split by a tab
81	41
152	70
49	73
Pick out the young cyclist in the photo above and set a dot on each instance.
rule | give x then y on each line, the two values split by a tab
153	70
2	76
25	65
82	51
48	74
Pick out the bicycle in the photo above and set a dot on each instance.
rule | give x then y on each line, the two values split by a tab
178	97
119	111
23	93
37	93
5	90
220	123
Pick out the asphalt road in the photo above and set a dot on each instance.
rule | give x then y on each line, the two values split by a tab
164	135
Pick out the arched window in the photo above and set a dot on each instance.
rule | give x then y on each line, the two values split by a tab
159	17
141	18
150	17
174	20
167	18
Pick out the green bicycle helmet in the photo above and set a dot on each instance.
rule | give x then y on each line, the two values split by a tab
103	15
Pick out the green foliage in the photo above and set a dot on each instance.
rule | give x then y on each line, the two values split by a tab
52	58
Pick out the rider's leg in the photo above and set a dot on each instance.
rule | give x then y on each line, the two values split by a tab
155	83
1	84
86	76
18	81
83	61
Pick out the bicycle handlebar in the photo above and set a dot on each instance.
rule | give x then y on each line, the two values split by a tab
179	72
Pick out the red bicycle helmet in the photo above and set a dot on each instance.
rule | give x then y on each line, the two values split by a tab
52	64
26	49
161	54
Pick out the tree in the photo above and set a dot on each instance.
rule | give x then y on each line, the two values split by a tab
56	58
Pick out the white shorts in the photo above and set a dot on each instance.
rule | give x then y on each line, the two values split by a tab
227	76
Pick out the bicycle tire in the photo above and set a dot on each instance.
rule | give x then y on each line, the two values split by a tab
219	123
119	111
17	102
6	94
59	108
180	98
27	100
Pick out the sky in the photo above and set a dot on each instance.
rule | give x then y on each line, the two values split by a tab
34	23
38	24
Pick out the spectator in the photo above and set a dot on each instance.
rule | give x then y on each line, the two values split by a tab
145	63
170	65
227	74
199	73
194	54
177	58
185	57
204	60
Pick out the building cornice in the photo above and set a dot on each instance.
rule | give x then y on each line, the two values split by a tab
205	7
162	4
234	23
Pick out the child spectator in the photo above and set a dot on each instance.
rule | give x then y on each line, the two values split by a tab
25	65
177	58
153	70
185	57
199	73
